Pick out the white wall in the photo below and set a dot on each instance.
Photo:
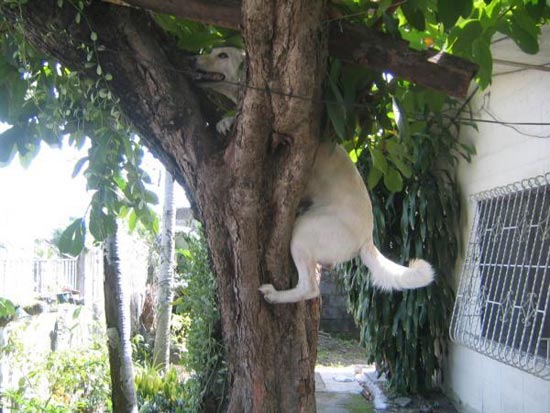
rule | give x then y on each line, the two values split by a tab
504	156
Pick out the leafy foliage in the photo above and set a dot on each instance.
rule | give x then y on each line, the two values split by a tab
44	102
462	27
7	311
205	352
63	382
160	392
197	37
406	333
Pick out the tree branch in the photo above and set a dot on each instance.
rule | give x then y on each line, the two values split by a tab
157	99
379	51
361	45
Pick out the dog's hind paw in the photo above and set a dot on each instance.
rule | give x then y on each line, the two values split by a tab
269	292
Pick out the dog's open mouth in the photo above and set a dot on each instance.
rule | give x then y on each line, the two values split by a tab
203	76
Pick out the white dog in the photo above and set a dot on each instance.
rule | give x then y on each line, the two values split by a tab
338	223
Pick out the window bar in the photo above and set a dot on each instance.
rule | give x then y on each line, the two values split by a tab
507	351
531	311
498	307
503	298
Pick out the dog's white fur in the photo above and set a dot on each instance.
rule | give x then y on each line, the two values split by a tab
338	224
226	62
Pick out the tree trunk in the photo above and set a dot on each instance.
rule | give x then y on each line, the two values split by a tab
244	188
161	353
271	349
117	315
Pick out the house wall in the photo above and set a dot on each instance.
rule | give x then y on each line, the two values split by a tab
504	155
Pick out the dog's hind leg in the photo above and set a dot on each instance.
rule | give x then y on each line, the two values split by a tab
307	286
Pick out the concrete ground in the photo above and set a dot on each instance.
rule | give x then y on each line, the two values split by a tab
337	391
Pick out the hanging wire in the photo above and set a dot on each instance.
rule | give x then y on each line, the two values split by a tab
417	116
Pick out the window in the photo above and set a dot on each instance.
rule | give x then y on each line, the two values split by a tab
503	298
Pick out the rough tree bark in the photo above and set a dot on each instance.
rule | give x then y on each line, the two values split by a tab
272	348
244	188
117	316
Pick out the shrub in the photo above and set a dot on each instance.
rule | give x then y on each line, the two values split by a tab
197	303
160	392
69	381
406	333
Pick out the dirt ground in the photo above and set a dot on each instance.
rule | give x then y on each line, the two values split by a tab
334	351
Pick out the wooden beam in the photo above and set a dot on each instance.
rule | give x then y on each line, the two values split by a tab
218	13
379	51
352	43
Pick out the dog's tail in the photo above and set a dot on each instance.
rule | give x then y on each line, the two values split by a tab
388	275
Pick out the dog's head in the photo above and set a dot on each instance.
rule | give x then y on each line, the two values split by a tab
220	70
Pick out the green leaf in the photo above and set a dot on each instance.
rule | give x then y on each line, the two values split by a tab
536	9
72	239
393	180
521	27
101	224
78	166
150	197
414	15
132	220
336	111
524	39
448	11
378	159
355	154
374	177
7	308
462	36
405	169
481	50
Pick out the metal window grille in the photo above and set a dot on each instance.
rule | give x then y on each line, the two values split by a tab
502	304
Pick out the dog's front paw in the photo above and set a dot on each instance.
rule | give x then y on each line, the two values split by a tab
224	125
269	292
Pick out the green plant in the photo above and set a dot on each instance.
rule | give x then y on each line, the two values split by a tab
196	300
406	333
46	102
7	311
160	392
142	349
67	381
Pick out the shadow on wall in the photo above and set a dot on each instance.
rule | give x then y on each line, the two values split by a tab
335	318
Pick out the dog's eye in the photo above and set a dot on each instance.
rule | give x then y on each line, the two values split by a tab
223	55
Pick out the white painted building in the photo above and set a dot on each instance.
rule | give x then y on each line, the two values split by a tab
499	361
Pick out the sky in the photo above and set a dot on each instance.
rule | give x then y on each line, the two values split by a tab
37	200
